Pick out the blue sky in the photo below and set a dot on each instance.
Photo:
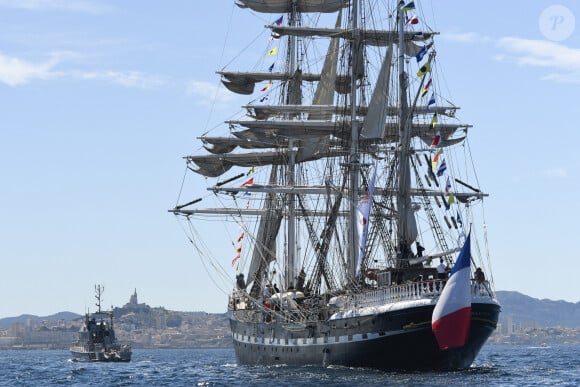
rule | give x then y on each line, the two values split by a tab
101	99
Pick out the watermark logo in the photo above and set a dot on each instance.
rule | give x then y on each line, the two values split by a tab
557	23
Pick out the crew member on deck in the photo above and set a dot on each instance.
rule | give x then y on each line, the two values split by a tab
267	292
241	282
441	270
479	276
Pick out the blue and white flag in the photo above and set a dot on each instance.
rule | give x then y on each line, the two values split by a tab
442	168
421	54
431	101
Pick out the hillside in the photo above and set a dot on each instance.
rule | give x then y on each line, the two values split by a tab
7	322
546	313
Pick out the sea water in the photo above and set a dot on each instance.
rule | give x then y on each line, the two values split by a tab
498	365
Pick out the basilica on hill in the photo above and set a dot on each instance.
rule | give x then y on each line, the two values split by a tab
133	306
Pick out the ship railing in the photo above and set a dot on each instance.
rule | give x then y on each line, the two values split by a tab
88	347
395	293
481	288
250	310
247	309
412	291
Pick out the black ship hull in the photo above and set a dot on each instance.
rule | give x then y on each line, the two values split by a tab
393	340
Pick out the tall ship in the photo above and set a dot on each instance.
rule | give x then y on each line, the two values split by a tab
96	339
348	191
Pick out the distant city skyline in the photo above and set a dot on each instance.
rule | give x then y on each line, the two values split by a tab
101	99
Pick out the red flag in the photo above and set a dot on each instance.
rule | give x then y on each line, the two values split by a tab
249	182
436	139
426	88
435	159
413	20
235	260
240	238
267	86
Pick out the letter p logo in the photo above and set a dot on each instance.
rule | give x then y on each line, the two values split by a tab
557	23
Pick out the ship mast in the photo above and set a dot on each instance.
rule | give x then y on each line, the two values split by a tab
294	86
354	159
98	293
404	210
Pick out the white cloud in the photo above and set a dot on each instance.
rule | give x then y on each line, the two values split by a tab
563	61
562	78
17	72
14	71
123	78
209	92
555	172
87	6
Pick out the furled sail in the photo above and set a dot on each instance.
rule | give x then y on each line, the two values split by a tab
245	82
285	6
214	165
378	38
319	111
304	129
217	164
217	145
262	112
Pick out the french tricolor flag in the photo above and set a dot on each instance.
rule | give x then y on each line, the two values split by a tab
452	313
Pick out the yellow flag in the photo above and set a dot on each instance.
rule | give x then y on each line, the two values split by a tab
436	159
273	51
451	199
424	69
267	86
434	120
